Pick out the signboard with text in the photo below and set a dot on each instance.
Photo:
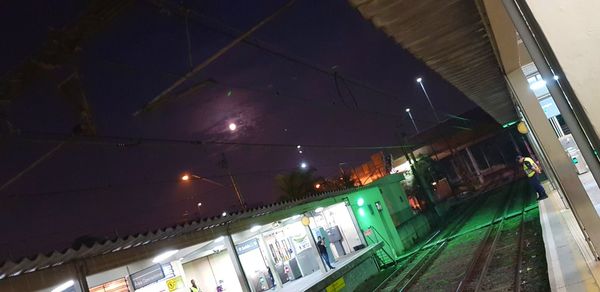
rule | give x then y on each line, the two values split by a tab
246	246
147	276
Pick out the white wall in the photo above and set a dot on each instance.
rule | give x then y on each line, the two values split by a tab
572	28
206	275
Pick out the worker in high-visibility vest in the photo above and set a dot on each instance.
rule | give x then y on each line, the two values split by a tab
532	170
194	288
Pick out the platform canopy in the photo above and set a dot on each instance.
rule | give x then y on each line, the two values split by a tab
449	36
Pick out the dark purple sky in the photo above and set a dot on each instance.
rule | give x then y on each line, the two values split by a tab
102	189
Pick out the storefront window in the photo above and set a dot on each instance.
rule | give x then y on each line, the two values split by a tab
211	268
336	227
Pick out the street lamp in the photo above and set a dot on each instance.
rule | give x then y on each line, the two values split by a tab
420	81
303	165
188	177
411	119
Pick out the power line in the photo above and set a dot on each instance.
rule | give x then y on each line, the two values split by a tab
227	85
226	30
124	141
107	187
165	93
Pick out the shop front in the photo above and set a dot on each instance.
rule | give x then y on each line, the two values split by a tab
283	253
335	225
208	265
276	253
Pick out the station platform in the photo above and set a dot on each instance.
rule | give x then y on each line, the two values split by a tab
349	270
571	264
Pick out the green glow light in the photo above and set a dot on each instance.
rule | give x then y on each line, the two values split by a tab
361	212
360	202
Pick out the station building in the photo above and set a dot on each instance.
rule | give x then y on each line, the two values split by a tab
271	247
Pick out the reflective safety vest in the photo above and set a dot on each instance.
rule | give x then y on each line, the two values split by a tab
529	166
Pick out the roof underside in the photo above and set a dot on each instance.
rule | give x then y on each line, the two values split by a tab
449	36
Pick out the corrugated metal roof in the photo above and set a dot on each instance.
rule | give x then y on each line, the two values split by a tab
450	37
56	258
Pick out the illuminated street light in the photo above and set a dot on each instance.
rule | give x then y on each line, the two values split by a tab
188	177
232	127
224	214
412	119
317	186
420	81
303	165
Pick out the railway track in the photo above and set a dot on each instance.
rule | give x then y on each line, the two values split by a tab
488	253
499	255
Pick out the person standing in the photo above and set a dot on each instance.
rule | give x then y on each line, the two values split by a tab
532	170
323	251
194	288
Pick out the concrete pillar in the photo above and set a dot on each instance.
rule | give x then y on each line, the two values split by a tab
567	178
235	259
474	163
270	261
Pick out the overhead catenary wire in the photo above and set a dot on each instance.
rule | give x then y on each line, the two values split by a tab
132	141
214	57
226	30
228	86
174	180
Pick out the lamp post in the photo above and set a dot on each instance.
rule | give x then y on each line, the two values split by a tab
188	177
412	120
420	81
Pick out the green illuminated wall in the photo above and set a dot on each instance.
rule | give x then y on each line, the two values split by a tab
369	216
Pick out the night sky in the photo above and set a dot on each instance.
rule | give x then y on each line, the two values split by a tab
103	190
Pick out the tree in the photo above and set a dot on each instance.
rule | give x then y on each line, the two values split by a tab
297	183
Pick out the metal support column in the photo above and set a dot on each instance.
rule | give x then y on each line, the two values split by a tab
270	262
560	164
475	166
237	265
541	62
81	272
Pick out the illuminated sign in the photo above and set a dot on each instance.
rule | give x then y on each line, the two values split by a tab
246	246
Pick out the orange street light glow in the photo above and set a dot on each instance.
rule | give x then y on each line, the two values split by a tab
185	177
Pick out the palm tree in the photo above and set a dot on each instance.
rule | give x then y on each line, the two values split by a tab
297	183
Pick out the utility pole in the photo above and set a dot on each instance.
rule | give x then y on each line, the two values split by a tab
225	165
